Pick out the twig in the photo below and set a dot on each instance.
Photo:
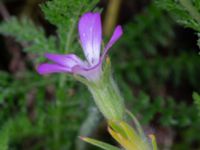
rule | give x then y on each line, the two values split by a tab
111	16
4	12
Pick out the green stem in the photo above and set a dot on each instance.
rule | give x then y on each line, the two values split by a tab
61	85
57	120
89	127
70	38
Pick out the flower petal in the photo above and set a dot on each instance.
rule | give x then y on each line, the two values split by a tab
91	73
51	68
116	35
68	60
90	32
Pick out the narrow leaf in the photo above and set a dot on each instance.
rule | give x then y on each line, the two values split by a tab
100	144
153	141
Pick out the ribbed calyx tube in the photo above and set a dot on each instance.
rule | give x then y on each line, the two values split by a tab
107	95
108	99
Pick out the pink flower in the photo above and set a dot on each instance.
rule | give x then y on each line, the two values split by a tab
90	32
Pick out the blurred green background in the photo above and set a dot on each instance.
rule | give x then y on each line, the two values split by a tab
156	65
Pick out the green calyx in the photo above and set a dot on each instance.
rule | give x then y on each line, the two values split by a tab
106	94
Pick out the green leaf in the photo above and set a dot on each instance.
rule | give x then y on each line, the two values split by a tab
153	141
185	12
4	136
64	14
146	23
32	37
100	144
196	98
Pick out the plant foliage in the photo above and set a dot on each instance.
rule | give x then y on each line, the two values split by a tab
186	12
157	69
43	108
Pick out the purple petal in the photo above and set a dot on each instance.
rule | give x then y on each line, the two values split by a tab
92	73
116	35
52	68
90	32
68	60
